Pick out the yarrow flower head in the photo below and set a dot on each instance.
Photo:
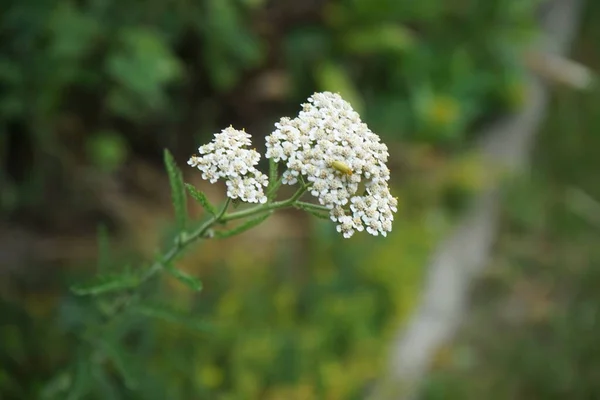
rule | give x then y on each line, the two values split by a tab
329	147
227	157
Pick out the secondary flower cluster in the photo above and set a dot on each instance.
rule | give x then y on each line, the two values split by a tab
328	147
227	157
338	154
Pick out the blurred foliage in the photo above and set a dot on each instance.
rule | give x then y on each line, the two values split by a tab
533	329
540	290
73	71
102	83
265	326
424	71
160	74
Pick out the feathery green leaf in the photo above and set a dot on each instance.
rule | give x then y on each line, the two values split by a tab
273	171
274	181
272	190
177	190
308	209
106	283
191	281
316	213
251	223
201	198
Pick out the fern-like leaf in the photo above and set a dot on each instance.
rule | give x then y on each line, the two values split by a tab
201	199
317	214
191	281
177	190
106	283
274	181
251	223
273	172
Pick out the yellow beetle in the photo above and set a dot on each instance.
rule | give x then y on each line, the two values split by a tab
341	167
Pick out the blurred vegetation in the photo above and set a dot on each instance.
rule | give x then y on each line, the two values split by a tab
90	82
92	91
533	329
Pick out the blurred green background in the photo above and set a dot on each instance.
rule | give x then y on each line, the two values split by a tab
93	91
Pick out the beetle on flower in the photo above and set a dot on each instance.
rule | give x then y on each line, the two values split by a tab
327	149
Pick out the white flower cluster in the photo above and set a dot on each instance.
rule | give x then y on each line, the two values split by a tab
227	157
337	154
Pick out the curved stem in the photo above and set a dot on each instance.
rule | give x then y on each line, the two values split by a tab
272	189
183	241
311	206
186	239
265	207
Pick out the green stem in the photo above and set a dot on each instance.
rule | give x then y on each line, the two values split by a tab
187	238
271	190
183	241
311	206
265	207
273	173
